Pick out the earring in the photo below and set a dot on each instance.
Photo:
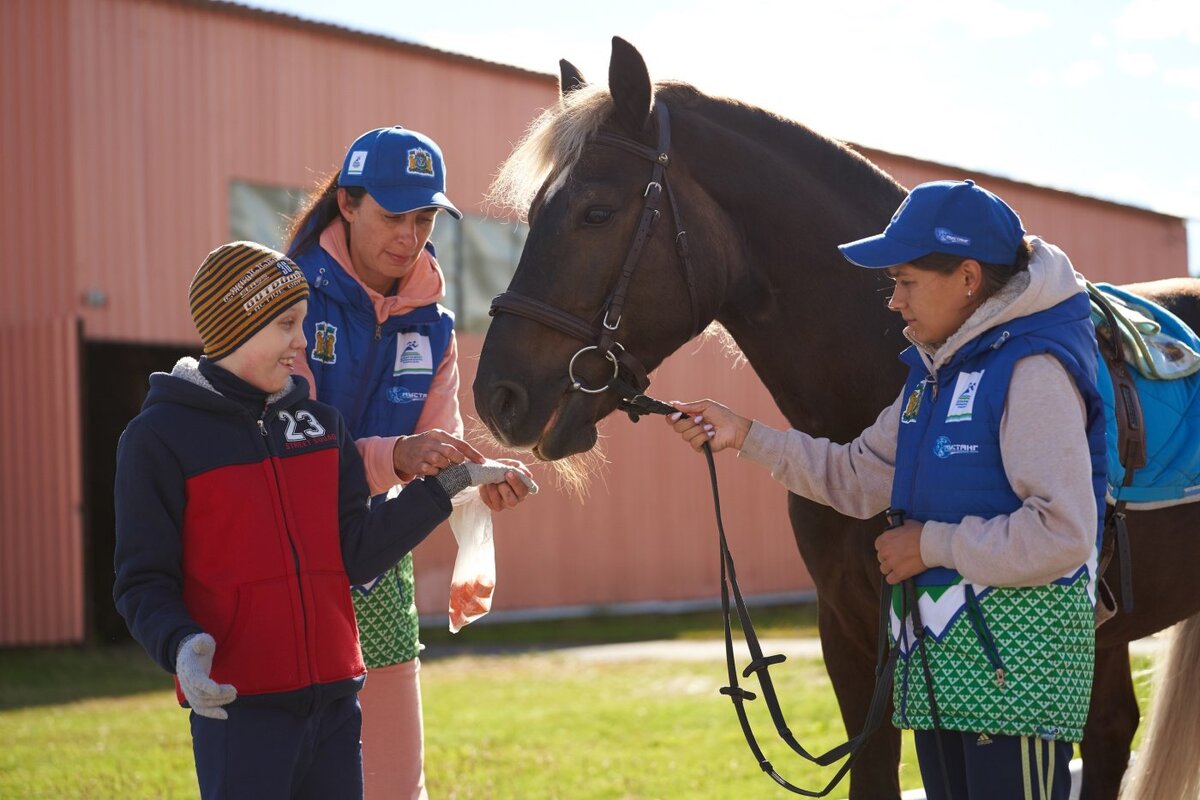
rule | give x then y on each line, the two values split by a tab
970	292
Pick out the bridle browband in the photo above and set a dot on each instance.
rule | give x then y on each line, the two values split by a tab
601	336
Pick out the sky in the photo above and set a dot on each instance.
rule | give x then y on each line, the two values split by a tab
1096	97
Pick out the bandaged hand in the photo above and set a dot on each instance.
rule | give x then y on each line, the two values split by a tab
459	476
192	666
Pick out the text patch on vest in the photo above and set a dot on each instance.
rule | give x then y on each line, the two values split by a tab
963	402
414	356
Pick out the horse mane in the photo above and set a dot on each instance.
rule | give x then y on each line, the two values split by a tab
551	146
555	140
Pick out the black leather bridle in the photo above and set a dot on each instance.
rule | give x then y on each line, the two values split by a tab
601	336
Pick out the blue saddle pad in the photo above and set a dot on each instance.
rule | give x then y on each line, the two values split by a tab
1171	411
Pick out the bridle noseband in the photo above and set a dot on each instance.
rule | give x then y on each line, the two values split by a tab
601	337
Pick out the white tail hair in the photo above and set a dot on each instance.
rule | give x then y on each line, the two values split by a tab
1166	766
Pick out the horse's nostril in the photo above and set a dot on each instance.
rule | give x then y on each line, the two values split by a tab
508	403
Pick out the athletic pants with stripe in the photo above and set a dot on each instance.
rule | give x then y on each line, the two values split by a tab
993	767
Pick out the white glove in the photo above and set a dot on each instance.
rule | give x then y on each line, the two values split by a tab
459	476
192	666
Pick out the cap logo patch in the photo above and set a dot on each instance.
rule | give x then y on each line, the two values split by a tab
947	236
420	162
358	160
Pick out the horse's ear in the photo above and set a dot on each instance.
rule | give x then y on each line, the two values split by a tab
569	77
629	82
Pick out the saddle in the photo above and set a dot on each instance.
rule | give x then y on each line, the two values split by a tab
1153	364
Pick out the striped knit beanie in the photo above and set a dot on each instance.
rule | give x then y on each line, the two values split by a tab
240	287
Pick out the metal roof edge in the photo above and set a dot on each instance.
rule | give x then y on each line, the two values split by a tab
268	15
867	149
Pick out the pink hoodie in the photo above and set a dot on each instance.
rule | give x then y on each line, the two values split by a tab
423	285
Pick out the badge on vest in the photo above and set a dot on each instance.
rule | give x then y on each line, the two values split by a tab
414	355
913	406
325	343
962	402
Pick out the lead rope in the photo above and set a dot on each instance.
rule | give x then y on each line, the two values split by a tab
635	404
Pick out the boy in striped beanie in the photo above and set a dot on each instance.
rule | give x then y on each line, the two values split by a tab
243	516
240	287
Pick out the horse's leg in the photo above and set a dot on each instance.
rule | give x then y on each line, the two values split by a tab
1112	721
841	560
850	661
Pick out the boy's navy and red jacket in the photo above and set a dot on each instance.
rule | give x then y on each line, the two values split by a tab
247	517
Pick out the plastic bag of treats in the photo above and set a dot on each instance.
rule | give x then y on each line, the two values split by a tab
474	578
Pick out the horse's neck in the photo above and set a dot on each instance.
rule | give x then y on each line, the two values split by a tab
830	377
815	328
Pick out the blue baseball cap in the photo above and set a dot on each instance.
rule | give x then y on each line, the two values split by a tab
955	217
402	169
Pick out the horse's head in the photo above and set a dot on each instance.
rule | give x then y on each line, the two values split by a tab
586	173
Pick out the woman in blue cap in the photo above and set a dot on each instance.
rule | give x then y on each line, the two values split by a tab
383	351
993	455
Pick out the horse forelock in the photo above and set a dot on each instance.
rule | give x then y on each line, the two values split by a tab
550	148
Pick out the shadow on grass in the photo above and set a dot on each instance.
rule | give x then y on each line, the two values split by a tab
54	675
775	621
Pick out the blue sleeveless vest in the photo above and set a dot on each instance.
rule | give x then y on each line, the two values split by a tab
948	462
378	376
1012	661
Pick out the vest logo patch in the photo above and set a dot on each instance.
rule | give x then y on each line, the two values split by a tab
962	402
420	162
944	448
325	343
398	394
414	355
913	406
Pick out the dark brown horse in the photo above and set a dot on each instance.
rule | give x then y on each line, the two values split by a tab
764	201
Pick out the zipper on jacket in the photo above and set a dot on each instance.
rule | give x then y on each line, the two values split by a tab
354	420
262	426
986	640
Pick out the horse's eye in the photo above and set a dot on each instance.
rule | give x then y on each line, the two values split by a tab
598	215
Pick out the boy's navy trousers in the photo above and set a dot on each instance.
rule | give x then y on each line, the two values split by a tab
302	751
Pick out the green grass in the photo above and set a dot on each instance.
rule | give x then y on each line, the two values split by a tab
777	621
632	730
104	723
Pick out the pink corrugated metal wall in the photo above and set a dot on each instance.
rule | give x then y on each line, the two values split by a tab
41	544
41	547
126	121
197	96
